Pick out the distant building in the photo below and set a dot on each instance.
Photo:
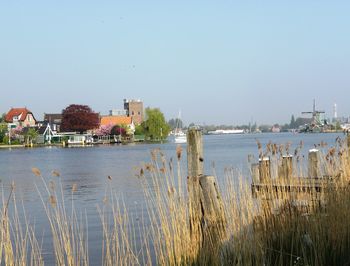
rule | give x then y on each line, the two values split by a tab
55	121
134	109
276	129
115	120
116	112
118	120
20	117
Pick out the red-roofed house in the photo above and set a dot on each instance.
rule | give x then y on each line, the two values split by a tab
118	120
20	117
115	120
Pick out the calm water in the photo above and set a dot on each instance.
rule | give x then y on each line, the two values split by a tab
89	168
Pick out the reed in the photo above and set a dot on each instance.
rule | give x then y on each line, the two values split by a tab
276	228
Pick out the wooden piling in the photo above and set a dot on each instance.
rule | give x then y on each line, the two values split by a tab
206	212
255	173
314	164
285	170
348	142
264	169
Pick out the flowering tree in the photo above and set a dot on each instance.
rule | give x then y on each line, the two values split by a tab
118	130
104	130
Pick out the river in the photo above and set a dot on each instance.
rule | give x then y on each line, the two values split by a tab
93	171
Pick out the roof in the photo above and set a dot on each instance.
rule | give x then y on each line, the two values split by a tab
115	120
21	113
53	118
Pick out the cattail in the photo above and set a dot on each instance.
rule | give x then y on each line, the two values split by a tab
52	185
141	172
36	171
55	173
162	170
274	149
53	201
259	144
331	152
178	151
268	147
296	151
105	200
74	187
109	177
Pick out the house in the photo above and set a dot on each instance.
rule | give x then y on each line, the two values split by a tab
118	120
20	117
54	120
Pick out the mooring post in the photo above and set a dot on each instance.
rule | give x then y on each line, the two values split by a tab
264	169
314	164
207	219
195	169
255	173
348	142
286	168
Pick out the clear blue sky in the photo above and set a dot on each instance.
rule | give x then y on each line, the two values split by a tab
220	62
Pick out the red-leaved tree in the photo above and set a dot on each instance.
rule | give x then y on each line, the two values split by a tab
79	118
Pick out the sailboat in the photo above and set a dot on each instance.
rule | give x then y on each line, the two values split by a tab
180	136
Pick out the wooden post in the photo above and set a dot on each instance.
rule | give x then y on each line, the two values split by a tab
264	169
195	159
255	173
194	168
285	171
348	142
273	167
314	164
207	219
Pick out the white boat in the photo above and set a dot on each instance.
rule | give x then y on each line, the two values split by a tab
180	137
226	131
79	140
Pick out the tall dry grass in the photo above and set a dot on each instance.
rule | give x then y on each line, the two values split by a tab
276	227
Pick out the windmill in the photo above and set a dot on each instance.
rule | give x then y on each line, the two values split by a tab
316	121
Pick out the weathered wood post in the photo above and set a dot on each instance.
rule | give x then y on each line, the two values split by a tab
207	219
314	164
348	142
285	171
274	167
255	173
264	169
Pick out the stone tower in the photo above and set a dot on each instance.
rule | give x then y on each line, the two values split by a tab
134	109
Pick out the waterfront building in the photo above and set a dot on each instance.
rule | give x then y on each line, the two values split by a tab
20	117
134	109
118	120
55	121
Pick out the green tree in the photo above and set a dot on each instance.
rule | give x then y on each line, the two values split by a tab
2	118
337	126
30	135
3	131
139	130
155	126
292	122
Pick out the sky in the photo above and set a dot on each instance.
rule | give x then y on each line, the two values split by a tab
219	62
